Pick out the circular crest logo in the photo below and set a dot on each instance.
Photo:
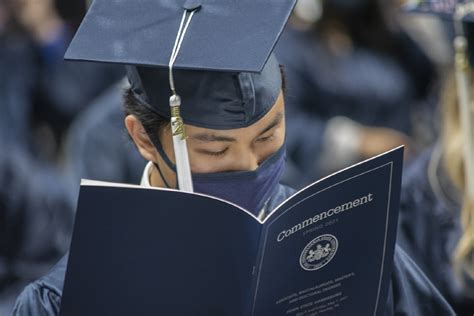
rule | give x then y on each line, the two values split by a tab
319	252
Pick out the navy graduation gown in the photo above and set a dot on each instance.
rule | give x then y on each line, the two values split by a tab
430	227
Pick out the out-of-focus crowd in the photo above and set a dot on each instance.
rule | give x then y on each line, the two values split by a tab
362	77
48	113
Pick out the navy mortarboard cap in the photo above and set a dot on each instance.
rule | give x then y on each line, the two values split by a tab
449	9
443	8
224	73
211	56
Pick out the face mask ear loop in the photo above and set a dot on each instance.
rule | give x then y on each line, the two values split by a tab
161	175
167	161
157	143
163	155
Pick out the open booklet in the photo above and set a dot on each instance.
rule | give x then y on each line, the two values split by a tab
327	250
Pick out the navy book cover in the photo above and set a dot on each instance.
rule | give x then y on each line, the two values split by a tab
327	250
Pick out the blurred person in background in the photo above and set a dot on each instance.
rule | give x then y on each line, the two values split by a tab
436	221
17	70
355	80
37	201
40	96
98	134
55	92
36	216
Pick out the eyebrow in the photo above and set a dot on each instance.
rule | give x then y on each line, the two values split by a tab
275	122
213	138
206	137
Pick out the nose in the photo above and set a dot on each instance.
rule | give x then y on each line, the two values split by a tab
246	161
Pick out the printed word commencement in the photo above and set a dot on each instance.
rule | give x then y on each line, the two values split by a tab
323	215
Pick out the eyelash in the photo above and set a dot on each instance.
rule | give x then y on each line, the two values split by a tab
216	154
222	152
264	139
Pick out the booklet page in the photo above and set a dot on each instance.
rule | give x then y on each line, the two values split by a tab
330	250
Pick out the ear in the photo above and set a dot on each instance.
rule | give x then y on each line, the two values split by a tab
140	138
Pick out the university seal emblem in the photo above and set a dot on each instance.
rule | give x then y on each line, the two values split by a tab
319	252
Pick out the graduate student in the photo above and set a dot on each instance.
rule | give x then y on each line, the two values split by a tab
437	204
227	88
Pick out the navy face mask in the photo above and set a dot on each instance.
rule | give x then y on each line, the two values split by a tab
250	190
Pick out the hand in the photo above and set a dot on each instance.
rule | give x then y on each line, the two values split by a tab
375	140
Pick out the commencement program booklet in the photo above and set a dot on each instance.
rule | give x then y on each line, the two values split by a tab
327	250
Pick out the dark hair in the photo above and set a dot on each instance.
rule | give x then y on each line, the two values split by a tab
283	78
154	123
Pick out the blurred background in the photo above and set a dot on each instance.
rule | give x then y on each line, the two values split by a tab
362	78
59	122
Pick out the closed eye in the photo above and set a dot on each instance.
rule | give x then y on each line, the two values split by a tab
212	153
266	138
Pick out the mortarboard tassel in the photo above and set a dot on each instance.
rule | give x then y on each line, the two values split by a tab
465	107
464	250
183	169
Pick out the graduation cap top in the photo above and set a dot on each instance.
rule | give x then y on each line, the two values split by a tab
224	72
447	9
443	8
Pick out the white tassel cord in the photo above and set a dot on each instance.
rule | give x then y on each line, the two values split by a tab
183	169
